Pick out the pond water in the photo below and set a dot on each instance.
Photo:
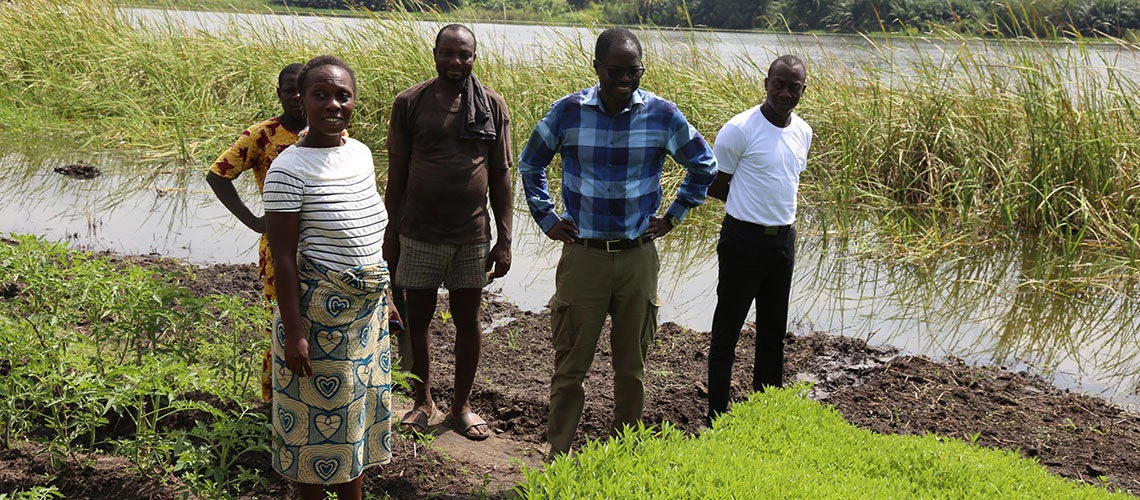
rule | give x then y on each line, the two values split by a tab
1018	307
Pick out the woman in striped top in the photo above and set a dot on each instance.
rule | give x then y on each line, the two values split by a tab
331	356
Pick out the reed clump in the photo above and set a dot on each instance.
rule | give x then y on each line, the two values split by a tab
1026	138
997	139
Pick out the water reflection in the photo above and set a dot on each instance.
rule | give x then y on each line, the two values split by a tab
134	207
1019	307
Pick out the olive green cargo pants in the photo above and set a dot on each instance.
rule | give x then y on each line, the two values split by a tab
591	283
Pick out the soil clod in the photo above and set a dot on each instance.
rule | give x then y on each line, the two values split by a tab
79	171
10	289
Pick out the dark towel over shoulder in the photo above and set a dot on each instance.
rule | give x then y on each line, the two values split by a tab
477	108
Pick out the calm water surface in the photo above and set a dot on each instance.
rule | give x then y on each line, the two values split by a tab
1015	307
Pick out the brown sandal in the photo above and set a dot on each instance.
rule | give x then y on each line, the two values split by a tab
467	424
416	421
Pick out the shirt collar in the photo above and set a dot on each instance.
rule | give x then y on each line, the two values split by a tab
594	100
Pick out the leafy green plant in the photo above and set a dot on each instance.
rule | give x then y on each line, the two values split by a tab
34	493
16	417
239	338
209	456
72	411
104	356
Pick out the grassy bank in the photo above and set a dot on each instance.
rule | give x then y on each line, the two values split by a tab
512	14
219	5
982	142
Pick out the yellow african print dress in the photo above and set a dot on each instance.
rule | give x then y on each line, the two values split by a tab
255	150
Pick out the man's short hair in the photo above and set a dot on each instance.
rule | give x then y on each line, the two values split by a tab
614	36
290	71
790	60
455	27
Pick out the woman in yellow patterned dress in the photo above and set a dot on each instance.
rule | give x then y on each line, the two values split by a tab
254	150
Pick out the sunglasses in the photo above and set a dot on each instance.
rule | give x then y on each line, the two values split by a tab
615	73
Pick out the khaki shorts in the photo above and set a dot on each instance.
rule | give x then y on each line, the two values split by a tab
425	265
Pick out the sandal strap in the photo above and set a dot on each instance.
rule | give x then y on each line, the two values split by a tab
467	421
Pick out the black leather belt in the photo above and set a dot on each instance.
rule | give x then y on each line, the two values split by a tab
762	229
615	245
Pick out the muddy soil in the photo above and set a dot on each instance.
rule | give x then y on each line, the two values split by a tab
29	465
1079	437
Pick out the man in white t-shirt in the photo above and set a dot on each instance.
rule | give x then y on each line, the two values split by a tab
760	154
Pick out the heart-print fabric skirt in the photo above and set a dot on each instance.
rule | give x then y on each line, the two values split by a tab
329	427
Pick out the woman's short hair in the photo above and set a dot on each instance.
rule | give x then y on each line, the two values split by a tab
325	60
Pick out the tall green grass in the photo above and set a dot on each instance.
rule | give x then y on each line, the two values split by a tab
1024	139
992	139
781	444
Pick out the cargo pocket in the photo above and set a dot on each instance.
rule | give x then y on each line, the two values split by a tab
649	330
561	328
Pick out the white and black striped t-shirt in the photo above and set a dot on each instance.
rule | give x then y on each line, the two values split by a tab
334	189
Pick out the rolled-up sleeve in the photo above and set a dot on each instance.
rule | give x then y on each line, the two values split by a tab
536	156
689	148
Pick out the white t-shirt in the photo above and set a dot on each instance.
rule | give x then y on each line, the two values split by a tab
765	162
342	215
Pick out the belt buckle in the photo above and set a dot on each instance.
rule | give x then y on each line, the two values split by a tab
771	230
612	250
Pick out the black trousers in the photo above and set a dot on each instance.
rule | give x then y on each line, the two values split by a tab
756	263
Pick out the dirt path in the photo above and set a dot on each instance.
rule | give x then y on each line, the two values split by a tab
494	465
1079	437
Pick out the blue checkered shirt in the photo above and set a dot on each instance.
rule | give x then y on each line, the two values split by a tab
611	166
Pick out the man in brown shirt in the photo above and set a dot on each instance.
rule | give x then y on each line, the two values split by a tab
449	147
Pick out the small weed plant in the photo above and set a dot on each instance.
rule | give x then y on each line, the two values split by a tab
35	493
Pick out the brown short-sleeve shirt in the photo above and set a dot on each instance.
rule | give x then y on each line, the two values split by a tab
446	197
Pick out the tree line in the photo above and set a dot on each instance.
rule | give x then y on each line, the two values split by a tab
1035	18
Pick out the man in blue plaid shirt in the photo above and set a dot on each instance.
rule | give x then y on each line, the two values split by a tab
613	139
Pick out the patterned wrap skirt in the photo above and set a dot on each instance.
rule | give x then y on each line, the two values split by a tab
329	427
